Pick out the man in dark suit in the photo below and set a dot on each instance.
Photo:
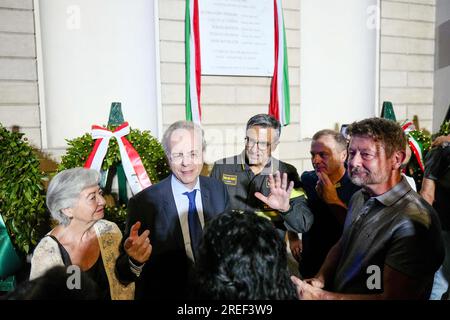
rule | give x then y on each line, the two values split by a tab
175	210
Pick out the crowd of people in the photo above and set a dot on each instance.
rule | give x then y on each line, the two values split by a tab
365	232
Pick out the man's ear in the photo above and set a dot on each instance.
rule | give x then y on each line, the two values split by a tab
343	155
274	145
398	157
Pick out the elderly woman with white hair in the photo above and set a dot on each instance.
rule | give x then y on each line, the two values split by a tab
83	238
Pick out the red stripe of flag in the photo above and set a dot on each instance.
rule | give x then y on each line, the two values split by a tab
274	103
198	69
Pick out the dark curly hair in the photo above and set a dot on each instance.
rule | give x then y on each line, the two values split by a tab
387	132
242	257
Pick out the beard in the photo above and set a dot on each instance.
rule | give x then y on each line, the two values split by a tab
363	177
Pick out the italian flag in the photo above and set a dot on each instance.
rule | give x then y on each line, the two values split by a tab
193	62
279	105
279	94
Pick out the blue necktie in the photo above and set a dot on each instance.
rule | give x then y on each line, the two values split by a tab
195	227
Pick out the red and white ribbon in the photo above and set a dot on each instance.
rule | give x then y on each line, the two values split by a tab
408	126
416	148
134	169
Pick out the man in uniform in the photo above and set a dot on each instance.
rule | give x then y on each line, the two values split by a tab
246	176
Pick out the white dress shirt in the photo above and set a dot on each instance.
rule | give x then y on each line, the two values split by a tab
182	204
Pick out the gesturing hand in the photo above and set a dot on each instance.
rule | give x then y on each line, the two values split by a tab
327	190
138	246
280	192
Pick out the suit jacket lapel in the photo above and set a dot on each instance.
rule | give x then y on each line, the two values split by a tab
205	192
171	212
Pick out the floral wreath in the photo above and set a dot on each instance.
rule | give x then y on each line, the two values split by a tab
149	149
423	140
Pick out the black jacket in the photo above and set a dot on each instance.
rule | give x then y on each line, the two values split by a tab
165	275
242	184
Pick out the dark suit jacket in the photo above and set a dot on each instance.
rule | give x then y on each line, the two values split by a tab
165	275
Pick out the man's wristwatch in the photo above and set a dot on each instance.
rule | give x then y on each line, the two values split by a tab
135	267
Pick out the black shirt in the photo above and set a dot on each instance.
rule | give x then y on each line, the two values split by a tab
326	229
437	168
97	272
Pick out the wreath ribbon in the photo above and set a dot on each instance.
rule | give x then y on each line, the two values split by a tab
408	126
134	169
417	150
415	146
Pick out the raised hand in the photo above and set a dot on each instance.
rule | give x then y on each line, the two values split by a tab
280	192
138	246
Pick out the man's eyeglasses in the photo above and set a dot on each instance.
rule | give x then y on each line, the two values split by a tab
262	145
178	157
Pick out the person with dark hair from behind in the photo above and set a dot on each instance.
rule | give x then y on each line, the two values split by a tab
242	257
57	283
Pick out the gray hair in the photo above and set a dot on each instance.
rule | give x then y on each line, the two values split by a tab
337	136
187	125
65	188
264	120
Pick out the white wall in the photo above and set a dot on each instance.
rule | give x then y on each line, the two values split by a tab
19	99
407	58
338	48
441	75
94	53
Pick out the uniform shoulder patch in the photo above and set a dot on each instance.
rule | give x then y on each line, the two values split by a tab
229	179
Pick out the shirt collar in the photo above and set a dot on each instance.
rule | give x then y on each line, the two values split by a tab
179	188
394	194
345	178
